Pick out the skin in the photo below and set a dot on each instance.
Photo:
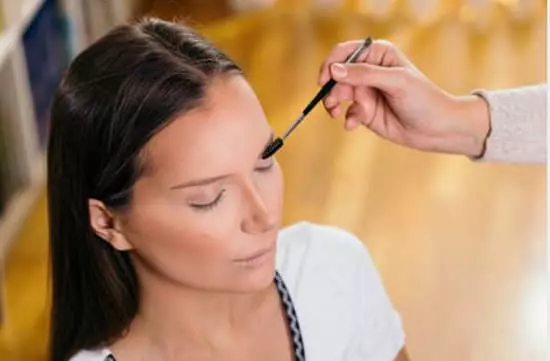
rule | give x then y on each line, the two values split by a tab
199	301
402	356
391	97
207	200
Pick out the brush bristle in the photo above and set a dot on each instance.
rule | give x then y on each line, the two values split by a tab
272	148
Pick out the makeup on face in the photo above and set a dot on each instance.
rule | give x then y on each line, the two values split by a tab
209	191
257	258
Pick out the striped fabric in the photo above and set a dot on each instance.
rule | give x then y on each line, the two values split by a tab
292	319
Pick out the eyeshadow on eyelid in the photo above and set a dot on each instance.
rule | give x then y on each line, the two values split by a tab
202	196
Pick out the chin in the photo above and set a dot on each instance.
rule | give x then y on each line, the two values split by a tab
252	278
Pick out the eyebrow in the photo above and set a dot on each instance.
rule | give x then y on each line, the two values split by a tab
210	180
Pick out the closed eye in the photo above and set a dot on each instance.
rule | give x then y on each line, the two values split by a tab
209	205
266	168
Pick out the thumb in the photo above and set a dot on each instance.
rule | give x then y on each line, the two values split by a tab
387	79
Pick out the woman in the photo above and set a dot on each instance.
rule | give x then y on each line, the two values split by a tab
164	220
396	101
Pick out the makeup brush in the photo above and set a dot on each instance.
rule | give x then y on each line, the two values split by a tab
274	146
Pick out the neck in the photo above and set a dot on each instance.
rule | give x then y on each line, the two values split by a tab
174	316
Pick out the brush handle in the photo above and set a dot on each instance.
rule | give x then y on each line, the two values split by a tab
331	83
320	95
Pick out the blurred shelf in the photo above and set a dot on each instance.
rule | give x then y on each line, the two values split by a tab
13	30
8	39
38	38
29	10
25	156
18	208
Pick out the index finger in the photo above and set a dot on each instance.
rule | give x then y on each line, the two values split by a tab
338	54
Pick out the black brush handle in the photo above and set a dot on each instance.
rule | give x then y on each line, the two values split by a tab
331	83
279	142
320	95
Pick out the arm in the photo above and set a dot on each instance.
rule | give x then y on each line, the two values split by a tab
517	120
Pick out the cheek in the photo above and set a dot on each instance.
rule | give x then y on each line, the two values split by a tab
174	241
179	243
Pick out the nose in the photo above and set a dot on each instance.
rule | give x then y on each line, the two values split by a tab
257	218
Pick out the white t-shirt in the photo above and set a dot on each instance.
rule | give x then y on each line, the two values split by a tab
342	307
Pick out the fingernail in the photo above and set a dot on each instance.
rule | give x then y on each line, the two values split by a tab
330	102
339	71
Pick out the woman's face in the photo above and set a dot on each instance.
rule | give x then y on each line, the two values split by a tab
207	210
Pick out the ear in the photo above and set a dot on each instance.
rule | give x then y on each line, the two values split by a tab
104	224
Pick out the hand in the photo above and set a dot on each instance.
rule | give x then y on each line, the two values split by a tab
395	100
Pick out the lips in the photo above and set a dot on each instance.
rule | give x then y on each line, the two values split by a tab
256	259
255	255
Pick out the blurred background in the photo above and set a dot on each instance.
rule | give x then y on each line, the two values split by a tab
461	246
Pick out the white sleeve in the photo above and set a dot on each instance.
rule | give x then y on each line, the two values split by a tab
379	334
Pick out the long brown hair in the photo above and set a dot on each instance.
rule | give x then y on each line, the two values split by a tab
115	96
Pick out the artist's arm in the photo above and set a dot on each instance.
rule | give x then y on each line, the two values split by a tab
395	100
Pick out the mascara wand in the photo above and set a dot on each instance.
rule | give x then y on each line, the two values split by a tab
274	146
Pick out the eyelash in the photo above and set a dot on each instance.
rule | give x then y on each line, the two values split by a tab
215	202
266	168
209	206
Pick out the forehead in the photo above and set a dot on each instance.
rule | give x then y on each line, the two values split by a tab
226	133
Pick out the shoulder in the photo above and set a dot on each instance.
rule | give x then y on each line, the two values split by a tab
320	242
308	250
92	355
339	296
310	253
